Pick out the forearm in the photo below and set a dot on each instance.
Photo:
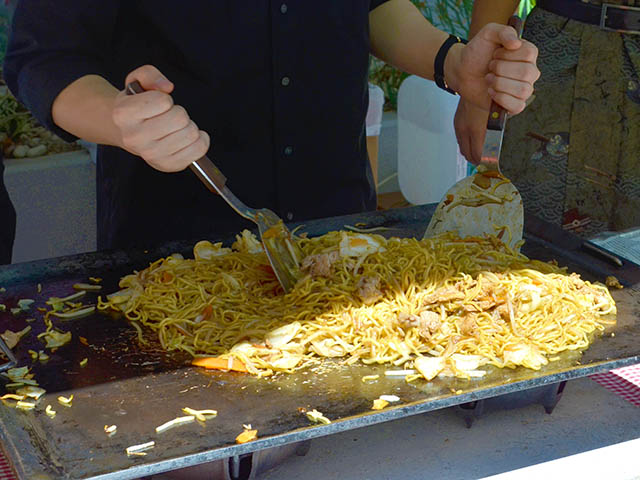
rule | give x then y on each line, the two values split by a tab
491	11
402	37
84	108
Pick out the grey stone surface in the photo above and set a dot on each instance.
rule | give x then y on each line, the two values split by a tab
438	444
55	202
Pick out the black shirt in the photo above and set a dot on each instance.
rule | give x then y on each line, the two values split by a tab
281	87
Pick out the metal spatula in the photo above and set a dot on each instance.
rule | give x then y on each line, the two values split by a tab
11	359
486	203
282	252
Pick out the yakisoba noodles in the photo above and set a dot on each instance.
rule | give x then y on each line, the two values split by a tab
440	306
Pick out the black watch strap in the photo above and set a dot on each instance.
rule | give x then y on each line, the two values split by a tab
438	64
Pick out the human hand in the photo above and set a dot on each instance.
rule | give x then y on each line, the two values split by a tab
470	123
495	65
152	127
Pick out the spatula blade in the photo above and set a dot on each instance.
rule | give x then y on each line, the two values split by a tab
282	251
459	214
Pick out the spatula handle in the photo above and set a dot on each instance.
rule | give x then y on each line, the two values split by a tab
497	114
209	174
204	168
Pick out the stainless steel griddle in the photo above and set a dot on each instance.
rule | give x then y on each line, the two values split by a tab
138	388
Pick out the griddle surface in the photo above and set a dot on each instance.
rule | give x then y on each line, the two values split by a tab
140	387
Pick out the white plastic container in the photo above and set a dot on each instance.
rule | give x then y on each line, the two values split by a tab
429	160
374	112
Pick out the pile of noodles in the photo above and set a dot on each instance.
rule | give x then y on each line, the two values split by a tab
440	306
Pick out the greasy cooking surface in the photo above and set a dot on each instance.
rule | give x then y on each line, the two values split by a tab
138	388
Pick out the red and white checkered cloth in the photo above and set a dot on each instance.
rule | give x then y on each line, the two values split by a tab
622	381
6	472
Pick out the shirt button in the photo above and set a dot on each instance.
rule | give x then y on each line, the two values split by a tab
289	216
288	151
283	8
285	81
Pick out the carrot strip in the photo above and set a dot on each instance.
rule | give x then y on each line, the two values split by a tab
217	363
207	311
247	436
267	269
166	277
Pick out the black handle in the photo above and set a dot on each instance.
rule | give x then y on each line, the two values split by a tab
134	87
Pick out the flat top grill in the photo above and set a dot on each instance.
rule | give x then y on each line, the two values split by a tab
138	387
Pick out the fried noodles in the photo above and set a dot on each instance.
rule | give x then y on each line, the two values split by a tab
441	306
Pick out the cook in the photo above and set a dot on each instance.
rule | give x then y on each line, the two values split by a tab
281	87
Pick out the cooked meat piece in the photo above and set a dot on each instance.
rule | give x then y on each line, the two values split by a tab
444	294
320	265
430	321
368	289
408	320
427	322
468	325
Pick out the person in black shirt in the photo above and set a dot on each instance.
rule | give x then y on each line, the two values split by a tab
7	220
281	87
